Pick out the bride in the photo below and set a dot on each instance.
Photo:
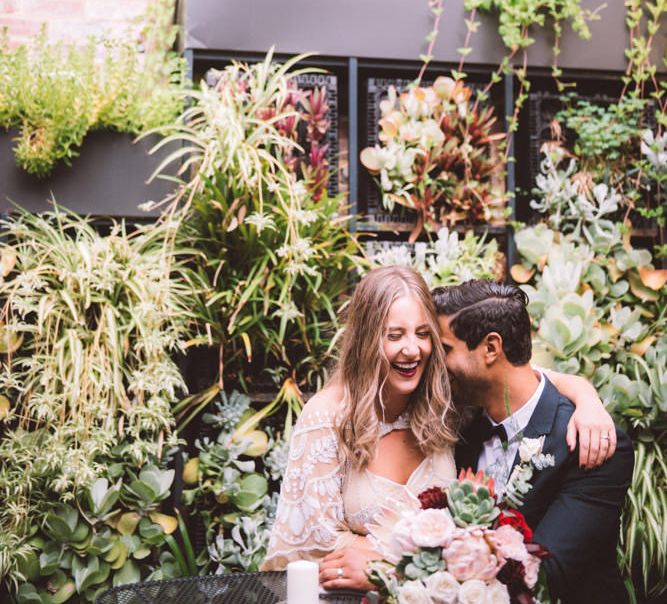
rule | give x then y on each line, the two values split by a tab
380	432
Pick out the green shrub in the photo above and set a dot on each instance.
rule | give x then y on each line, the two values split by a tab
56	93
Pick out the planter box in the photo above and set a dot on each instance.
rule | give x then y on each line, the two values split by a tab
106	179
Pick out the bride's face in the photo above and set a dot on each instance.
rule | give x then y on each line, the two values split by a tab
407	345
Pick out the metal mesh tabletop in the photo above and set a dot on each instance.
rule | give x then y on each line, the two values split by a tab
248	588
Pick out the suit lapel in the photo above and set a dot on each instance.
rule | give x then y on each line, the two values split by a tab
542	421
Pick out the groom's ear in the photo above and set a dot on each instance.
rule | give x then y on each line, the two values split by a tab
492	347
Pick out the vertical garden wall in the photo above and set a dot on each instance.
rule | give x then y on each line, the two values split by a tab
152	369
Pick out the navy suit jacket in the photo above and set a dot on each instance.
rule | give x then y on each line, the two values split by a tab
574	513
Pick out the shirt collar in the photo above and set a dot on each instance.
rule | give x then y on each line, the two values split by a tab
518	421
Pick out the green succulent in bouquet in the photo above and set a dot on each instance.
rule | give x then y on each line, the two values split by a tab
421	564
471	503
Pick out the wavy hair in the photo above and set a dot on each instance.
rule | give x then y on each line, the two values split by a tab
363	369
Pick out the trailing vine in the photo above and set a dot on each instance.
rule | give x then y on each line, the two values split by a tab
643	21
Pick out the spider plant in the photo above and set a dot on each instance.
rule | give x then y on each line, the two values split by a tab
278	251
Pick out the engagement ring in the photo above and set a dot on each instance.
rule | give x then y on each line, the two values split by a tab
340	573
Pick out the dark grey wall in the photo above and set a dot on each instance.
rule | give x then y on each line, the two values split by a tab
107	178
389	29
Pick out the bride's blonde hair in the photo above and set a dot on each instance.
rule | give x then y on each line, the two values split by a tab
363	368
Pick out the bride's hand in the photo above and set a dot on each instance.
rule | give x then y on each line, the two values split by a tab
352	561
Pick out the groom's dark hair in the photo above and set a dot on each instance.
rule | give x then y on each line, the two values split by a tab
480	306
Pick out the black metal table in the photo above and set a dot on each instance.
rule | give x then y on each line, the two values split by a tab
242	588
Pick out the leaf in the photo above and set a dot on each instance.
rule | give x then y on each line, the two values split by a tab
128	522
84	572
7	261
121	556
640	348
64	593
654	279
5	405
128	574
168	523
640	290
521	274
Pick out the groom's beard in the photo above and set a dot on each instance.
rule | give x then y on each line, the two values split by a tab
468	389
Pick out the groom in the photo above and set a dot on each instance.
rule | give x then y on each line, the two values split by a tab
575	513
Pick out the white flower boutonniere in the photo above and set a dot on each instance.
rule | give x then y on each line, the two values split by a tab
531	458
530	447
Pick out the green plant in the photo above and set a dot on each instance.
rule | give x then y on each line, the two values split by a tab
55	94
447	260
89	324
229	487
109	534
598	308
471	504
278	253
567	202
438	155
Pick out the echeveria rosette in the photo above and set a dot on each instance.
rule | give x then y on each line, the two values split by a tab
471	500
422	563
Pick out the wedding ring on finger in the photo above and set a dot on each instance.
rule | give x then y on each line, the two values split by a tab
339	573
604	438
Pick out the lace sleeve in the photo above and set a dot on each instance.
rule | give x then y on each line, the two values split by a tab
310	520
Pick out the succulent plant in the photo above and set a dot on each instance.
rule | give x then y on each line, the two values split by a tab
472	503
421	564
438	155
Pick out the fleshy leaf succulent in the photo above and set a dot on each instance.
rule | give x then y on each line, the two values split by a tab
471	500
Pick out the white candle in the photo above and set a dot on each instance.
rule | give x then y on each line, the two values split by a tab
302	582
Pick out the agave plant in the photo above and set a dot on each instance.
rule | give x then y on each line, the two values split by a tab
438	155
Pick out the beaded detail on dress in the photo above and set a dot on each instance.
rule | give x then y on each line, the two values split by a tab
324	503
402	422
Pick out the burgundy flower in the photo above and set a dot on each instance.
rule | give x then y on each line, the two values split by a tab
435	497
513	574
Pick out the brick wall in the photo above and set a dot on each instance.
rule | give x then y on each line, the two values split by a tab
71	20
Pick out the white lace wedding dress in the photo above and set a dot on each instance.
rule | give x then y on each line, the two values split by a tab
324	504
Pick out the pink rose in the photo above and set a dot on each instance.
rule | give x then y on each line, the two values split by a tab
531	566
432	528
508	543
400	541
469	556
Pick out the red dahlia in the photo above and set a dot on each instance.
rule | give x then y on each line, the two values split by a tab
435	497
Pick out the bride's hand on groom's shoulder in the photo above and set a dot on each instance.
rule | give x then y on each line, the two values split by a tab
595	430
352	560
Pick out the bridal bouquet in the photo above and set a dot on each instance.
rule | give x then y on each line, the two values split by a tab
460	547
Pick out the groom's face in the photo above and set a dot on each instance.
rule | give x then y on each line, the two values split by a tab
467	372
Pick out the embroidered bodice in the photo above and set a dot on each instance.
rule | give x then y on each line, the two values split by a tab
324	504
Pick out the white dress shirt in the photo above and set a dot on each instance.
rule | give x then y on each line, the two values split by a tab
496	457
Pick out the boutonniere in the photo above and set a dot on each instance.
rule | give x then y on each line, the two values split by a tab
531	458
